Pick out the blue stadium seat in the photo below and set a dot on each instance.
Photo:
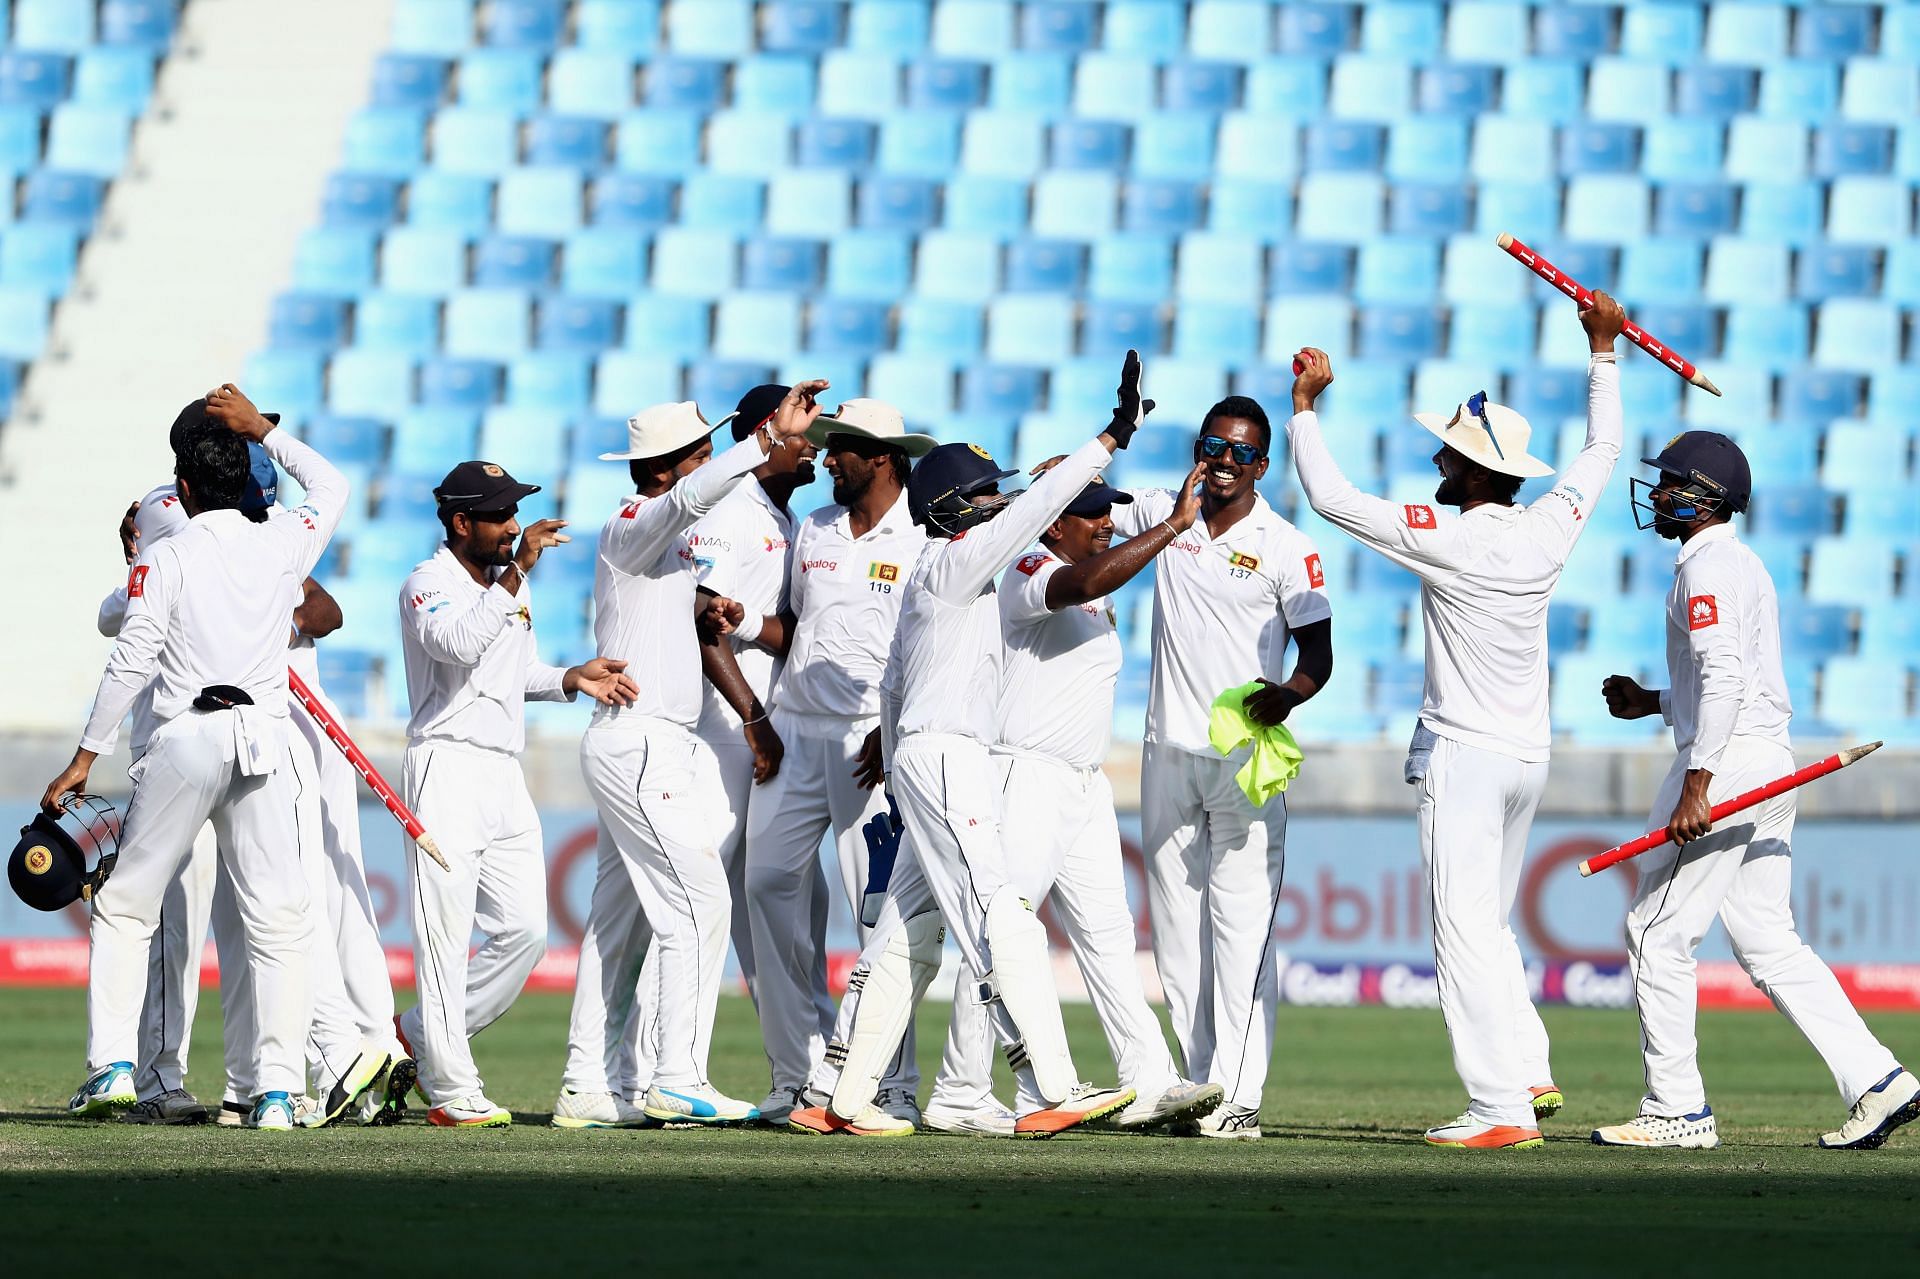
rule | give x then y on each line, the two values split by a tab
1665	33
1230	29
1345	145
1834	32
1747	271
569	141
1306	267
809	202
920	144
559	380
1287	88
59	25
359	200
858	84
1200	86
1458	89
1411	30
1506	204
309	322
1111	328
1165	206
1773	336
1219	267
1599	147
387	141
1131	268
459	383
957	265
1791	212
1243	207
513	262
945	84
1550	90
688	262
1747	34
779	86
1089	144
1370	87
487	323
1494	31
1000	390
723	202
934	327
475	140
538	202
1430	209
405	322
753	326
1051	266
1342	207
1174	145
1834	271
686	84
1694	209
1112	86
1509	149
503	79
1404	269
1879	90
1857	333
1779	453
1624	89
1862	455
889	203
1427	150
88	139
1035	84
356	441
1817	632
450	202
1762	150
1310	319
711	29
337	261
1806	91
846	326
836	144
567	323
1544	395
442	27
1683	327
606	261
287	382
34	79
1785	510
1682	150
1319	30
148	23
1499	335
1606	208
875	265
1030	328
626	381
595	84
1217	331
800	26
1843	149
745	142
1074	205
118	78
1718	92
1874	209
528	24
1890	628
1404	333
780	264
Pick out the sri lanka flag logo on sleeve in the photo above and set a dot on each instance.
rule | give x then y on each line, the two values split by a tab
882	572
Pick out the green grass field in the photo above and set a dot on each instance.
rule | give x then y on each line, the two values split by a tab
1342	1184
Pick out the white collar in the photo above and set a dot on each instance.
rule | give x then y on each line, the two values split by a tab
1711	533
898	515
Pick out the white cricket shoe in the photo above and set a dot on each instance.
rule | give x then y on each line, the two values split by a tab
1682	1132
108	1089
1469	1133
1182	1101
778	1104
1893	1101
1083	1105
274	1112
233	1113
307	1113
697	1104
899	1103
988	1119
1227	1123
368	1068
469	1112
595	1110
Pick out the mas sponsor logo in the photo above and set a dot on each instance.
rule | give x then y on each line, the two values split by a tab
308	516
137	581
708	542
1030	562
428	601
879	571
1420	517
1316	575
1702	612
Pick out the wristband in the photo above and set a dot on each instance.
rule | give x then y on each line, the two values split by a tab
749	723
749	628
1603	357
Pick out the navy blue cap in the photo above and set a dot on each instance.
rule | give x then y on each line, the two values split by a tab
1096	499
481	486
263	480
755	407
949	474
1711	459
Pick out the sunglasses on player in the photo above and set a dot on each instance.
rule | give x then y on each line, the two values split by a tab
1244	454
1477	405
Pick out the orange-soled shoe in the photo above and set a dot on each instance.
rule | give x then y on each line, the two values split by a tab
1468	1133
1083	1105
819	1121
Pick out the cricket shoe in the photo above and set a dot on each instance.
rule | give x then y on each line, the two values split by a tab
368	1068
385	1104
697	1104
274	1112
306	1112
406	1046
1084	1104
1893	1101
470	1112
573	1109
1227	1123
819	1121
1683	1132
1182	1102
175	1107
233	1114
1547	1100
108	1089
777	1105
988	1119
1468	1133
899	1103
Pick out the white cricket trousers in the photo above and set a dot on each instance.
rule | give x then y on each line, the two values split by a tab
189	775
476	804
1214	864
645	777
1741	872
787	907
1476	809
1063	846
173	971
951	861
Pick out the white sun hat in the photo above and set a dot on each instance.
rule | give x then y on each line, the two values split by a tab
874	419
661	429
1491	434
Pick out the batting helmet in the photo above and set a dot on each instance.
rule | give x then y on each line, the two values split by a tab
48	866
1715	476
941	490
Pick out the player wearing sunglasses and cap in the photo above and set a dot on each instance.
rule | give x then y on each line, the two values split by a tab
1480	749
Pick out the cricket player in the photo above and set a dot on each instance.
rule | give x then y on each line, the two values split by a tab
1727	701
942	695
849	565
207	615
466	632
1055	725
1479	754
642	761
738	551
1228	594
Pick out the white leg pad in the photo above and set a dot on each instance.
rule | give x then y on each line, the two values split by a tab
891	989
1022	980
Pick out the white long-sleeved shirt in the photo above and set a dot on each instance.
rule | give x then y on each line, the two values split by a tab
1056	691
943	671
210	605
845	593
472	660
160	516
1723	650
1486	577
739	551
644	587
1223	609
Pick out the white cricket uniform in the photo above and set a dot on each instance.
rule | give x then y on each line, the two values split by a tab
472	664
943	697
210	606
647	773
845	593
1055	725
1480	754
1730	713
1223	608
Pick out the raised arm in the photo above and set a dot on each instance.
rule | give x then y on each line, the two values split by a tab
1578	491
1113	568
317	615
447	631
309	526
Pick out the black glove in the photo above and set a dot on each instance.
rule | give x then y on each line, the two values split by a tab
1131	410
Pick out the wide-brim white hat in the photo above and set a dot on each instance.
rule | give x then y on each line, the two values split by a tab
873	419
1499	442
662	429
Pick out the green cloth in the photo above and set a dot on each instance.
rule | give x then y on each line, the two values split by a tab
1276	756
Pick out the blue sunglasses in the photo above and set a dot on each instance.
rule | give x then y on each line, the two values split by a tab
1244	454
1477	405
